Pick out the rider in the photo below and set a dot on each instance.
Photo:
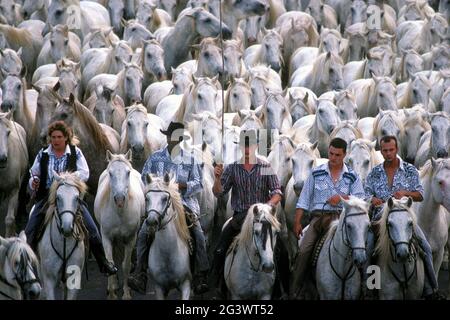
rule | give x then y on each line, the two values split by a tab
396	178
321	197
251	180
188	175
62	155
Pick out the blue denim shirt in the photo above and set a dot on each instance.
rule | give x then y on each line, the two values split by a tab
184	169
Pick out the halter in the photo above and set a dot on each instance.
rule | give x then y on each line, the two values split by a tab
20	276
412	257
266	228
63	257
162	213
352	269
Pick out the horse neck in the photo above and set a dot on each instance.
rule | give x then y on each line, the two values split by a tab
428	210
229	18
425	36
185	33
339	245
315	134
167	237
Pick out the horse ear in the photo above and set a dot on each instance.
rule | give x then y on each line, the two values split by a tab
56	86
166	178
243	113
195	47
434	163
3	241
373	144
390	203
19	52
36	88
259	111
123	22
148	178
23	236
108	155
255	210
9	114
129	155
410	202
305	98
314	145
56	176
23	72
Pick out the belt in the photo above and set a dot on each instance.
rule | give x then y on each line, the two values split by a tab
319	213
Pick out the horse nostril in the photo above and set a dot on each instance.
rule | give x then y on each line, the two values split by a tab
6	106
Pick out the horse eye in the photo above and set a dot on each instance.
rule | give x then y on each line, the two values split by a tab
133	29
58	12
410	223
8	133
149	55
66	42
206	54
146	124
129	123
208	20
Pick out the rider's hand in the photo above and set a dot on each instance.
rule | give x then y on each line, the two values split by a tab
376	201
35	184
182	186
334	200
298	230
218	170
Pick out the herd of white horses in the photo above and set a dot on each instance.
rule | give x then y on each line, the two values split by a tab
301	72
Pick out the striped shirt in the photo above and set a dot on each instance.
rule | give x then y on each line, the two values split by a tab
59	165
319	187
183	168
249	187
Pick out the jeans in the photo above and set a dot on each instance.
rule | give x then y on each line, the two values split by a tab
145	239
430	283
37	218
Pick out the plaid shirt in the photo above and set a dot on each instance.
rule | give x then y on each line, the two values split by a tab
248	188
187	172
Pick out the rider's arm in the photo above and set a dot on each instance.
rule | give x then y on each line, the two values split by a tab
82	166
35	170
194	184
224	183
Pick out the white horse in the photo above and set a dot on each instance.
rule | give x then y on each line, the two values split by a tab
249	265
18	269
431	213
168	258
402	271
302	101
434	143
13	165
119	206
141	133
414	127
343	253
362	157
61	247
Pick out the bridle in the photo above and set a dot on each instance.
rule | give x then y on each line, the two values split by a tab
411	257
345	240
266	229
161	214
20	276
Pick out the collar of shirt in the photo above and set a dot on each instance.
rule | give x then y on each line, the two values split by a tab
401	165
326	167
49	150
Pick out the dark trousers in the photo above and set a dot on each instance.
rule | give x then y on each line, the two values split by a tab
37	218
231	230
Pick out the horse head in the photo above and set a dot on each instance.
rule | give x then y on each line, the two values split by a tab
20	267
440	181
303	161
354	222
66	192
5	131
153	59
440	134
119	170
158	200
13	90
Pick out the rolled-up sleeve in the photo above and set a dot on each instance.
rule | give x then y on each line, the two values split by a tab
305	198
82	166
227	179
146	169
415	182
35	170
274	185
368	188
194	184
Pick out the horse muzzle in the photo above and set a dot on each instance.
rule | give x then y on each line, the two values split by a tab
359	257
402	253
33	292
7	106
119	200
3	161
268	267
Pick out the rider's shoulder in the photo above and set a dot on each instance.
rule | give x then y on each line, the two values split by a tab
319	171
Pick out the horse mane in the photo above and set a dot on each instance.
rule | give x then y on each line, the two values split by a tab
389	114
346	124
70	178
322	63
383	244
414	119
156	21
87	118
18	249
246	234
19	37
177	204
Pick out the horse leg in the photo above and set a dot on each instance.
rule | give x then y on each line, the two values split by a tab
49	286
159	292
186	290
126	266
112	282
10	219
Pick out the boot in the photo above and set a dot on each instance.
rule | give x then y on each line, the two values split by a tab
202	283
104	265
138	281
